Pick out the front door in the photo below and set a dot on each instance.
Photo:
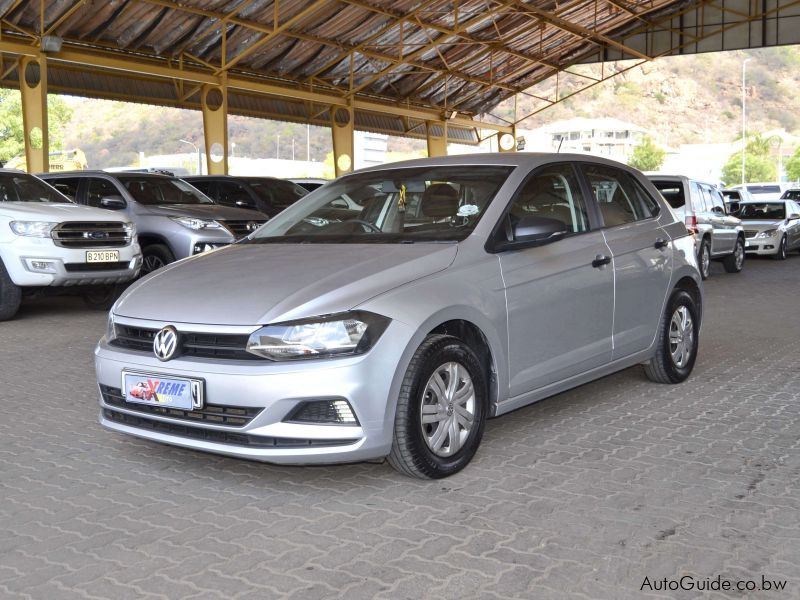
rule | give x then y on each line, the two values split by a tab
560	295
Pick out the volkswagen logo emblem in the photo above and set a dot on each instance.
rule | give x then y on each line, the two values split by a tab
165	343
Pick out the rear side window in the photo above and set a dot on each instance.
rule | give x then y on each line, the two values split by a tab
672	191
618	196
99	189
553	193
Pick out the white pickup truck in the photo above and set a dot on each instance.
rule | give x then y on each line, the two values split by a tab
50	244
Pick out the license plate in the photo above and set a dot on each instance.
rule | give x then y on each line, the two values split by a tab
158	390
100	256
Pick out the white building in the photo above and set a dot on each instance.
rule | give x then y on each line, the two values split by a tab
606	137
369	149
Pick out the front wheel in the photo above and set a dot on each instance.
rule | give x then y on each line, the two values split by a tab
781	253
677	341
10	295
733	263
704	259
441	411
154	257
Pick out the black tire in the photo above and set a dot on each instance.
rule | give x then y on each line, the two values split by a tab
663	368
734	262
10	295
154	257
704	259
781	253
411	453
103	298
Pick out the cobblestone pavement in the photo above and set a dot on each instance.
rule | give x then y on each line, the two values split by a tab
579	496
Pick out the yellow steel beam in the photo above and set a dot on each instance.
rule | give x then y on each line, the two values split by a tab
343	143
437	146
214	103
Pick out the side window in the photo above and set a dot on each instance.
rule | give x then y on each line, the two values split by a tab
99	189
553	193
618	196
204	186
68	186
698	204
232	194
708	197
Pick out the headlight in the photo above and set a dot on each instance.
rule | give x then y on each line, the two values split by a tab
130	230
111	331
32	228
343	334
767	233
192	223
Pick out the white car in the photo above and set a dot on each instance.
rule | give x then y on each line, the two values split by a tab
48	243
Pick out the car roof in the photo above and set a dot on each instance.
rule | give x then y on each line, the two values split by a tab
99	172
16	171
234	177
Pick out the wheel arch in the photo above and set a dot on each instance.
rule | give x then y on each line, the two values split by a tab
689	285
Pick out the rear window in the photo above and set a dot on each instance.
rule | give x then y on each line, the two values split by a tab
672	192
791	195
731	195
764	189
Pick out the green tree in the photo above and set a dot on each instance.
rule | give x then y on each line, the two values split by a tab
792	166
12	136
647	156
759	164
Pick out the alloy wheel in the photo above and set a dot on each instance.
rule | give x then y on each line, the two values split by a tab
738	255
705	260
447	414
681	337
152	263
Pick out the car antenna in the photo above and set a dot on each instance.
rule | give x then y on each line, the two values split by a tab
561	141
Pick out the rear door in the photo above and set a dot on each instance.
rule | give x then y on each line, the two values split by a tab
560	304
642	256
724	236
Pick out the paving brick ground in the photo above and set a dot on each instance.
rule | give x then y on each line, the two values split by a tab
580	496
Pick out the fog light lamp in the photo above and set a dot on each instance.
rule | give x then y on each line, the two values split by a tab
323	412
41	266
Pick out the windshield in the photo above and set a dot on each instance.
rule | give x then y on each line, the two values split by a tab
672	192
762	210
390	206
791	195
162	190
764	189
277	192
21	187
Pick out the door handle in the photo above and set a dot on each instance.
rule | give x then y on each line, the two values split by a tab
600	260
661	243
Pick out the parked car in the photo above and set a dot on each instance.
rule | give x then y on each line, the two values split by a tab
48	243
369	338
718	235
264	194
771	228
765	190
733	198
174	220
791	194
310	183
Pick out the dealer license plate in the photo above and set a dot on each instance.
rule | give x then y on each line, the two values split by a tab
158	390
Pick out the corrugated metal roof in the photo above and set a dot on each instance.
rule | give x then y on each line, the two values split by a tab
444	55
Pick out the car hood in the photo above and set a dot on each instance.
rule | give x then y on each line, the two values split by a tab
761	224
206	211
57	212
253	284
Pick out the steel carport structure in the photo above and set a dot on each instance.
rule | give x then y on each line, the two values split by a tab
432	69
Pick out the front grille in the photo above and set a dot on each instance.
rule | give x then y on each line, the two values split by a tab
200	345
217	436
242	228
90	235
91	267
235	416
750	233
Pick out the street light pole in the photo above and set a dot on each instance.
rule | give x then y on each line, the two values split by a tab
744	116
199	157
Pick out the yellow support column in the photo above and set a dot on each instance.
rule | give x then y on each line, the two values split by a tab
437	139
215	128
342	133
507	142
33	85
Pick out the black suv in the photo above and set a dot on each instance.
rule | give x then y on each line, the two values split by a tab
268	195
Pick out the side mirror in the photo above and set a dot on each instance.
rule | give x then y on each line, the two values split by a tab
531	231
113	202
794	217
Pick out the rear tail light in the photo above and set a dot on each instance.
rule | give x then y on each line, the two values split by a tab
691	223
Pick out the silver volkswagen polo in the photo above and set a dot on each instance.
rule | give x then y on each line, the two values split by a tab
457	289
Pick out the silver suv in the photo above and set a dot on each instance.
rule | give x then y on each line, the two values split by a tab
718	235
465	287
173	219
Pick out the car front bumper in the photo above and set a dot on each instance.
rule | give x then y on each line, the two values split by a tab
275	390
34	262
762	246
